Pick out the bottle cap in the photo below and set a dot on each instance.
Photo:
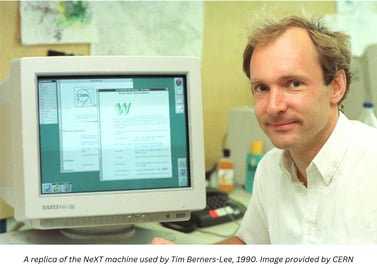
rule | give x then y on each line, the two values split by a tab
226	152
368	104
256	147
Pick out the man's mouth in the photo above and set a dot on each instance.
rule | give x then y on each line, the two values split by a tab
282	125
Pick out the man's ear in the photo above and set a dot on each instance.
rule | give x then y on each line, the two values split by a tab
338	87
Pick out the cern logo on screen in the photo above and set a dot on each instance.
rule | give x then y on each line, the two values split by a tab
84	97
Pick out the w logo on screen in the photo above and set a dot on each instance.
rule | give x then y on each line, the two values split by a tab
122	108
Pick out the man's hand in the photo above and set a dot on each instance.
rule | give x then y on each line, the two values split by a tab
161	241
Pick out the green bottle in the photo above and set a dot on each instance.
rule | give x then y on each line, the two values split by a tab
252	159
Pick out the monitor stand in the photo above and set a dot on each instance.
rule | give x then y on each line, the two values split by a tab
120	235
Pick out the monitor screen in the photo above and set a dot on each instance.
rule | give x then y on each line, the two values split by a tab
103	141
113	133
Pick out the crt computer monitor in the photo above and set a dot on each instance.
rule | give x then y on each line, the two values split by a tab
99	143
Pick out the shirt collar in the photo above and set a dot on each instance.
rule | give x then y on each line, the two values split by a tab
329	158
331	155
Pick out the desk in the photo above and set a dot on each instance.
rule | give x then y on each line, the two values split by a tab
207	235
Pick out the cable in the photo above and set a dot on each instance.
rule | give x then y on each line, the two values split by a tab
17	227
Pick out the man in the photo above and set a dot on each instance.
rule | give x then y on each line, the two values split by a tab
319	185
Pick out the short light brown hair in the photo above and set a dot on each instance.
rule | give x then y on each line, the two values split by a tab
334	48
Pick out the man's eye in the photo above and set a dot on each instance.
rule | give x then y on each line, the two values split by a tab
260	88
294	84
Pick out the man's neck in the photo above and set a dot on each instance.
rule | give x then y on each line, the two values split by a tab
303	156
300	165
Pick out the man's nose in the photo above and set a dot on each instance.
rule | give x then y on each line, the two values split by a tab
276	102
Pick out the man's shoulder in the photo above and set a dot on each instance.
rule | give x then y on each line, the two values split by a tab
364	136
361	130
274	153
272	157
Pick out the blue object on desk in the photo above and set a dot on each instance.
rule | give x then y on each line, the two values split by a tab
3	225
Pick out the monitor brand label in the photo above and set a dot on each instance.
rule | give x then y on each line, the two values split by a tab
58	206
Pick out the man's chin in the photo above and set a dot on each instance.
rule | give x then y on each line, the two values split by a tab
281	143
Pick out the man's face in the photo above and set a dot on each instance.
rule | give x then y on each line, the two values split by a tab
292	104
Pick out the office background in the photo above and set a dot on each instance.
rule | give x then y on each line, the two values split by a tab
225	27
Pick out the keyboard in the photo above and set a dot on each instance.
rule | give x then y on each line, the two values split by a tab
216	201
220	209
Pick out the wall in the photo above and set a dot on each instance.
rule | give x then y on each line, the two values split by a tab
225	34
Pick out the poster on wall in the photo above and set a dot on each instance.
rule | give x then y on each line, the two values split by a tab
57	22
149	28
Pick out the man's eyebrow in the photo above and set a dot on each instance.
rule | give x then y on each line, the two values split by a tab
256	81
282	78
293	76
